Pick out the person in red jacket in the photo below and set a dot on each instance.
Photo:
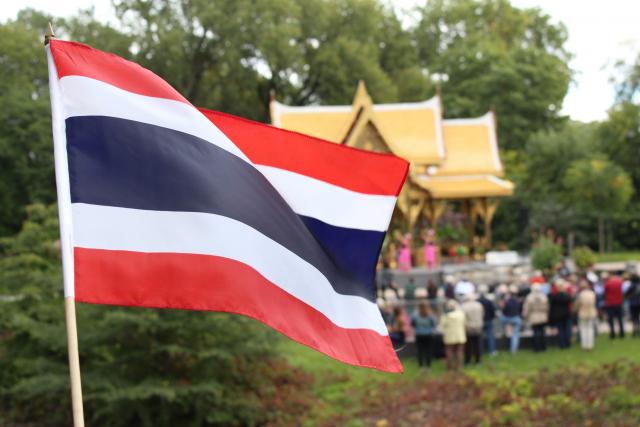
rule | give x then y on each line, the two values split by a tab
613	297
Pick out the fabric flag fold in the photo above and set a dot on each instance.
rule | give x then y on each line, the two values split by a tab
172	207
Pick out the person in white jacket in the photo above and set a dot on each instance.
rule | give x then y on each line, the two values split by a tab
585	307
474	321
452	325
536	312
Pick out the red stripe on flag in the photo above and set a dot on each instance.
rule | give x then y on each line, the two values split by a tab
203	282
77	59
350	168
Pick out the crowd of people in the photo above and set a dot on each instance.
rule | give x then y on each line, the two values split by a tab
467	317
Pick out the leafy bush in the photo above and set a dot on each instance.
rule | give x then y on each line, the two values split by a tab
579	395
583	257
140	367
545	254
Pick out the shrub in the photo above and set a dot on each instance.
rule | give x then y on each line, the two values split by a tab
583	257
545	254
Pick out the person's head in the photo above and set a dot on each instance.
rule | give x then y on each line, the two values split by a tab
452	305
513	290
604	275
483	289
449	279
584	284
502	289
635	279
471	296
561	285
397	311
387	307
406	239
536	288
424	309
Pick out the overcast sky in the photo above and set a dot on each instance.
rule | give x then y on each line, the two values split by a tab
600	33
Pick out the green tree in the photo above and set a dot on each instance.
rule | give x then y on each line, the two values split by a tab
26	153
597	185
541	201
231	55
619	138
26	150
628	80
493	54
140	367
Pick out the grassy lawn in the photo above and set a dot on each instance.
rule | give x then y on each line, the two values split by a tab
618	257
343	390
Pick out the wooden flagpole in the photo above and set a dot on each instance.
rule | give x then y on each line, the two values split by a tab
66	245
74	362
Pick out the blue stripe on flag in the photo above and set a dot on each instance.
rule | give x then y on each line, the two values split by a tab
355	251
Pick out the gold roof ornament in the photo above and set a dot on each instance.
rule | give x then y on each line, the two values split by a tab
410	130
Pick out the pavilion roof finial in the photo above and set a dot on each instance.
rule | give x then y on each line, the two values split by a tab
362	96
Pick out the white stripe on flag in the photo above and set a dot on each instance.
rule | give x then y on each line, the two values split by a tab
330	203
112	228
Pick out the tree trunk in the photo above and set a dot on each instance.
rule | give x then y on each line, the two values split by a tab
601	234
571	242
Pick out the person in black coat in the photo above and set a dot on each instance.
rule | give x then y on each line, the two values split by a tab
560	313
489	317
633	297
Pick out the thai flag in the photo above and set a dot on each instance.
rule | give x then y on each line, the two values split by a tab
163	205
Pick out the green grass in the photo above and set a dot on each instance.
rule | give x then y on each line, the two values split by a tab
618	257
341	389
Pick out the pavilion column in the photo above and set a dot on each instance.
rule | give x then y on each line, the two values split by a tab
470	210
404	204
433	210
415	208
411	203
486	210
488	220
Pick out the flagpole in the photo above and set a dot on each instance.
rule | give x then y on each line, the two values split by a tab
64	214
74	362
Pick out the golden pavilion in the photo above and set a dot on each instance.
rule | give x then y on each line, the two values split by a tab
452	160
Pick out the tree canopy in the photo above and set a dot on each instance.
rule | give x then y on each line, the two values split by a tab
492	54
